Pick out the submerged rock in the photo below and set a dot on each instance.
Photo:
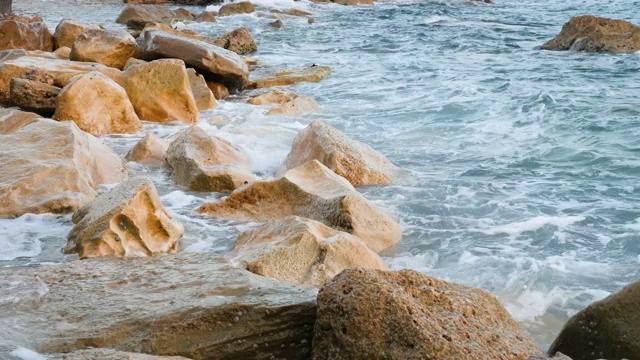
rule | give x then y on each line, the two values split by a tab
111	48
312	73
68	30
243	7
23	35
239	41
149	150
34	96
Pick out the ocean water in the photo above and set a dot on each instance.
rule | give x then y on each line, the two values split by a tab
520	165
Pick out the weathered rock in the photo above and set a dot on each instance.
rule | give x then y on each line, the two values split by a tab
68	30
273	97
160	91
314	192
353	2
557	356
215	63
108	354
243	7
201	162
11	54
50	166
277	24
219	91
149	150
14	120
363	314
206	16
201	93
34	96
133	62
356	161
40	76
111	48
313	73
609	328
27	36
239	41
128	220
98	105
302	252
595	34
192	305
183	14
300	105
64	51
146	13
19	18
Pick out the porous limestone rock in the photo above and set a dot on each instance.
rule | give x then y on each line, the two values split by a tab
219	91
406	315
239	41
68	30
34	96
64	51
108	354
314	192
23	35
201	93
149	150
292	12
313	73
111	48
244	7
14	120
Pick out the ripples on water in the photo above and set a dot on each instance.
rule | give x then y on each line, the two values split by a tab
521	164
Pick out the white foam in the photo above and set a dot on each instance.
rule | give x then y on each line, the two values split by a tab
439	19
26	354
21	236
532	225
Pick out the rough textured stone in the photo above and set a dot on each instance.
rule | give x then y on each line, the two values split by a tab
201	93
201	162
98	105
596	34
557	356
50	166
219	91
312	73
302	251
192	305
183	14
239	41
34	96
133	62
406	315
14	120
149	150
27	36
273	97
64	51
357	162
314	192
111	48
40	76
277	24
128	220
243	7
300	105
206	16
68	30
146	13
108	354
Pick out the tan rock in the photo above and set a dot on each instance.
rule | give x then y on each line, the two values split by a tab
277	24
149	150
206	16
314	192
148	13
273	97
160	91
108	354
27	36
68	30
19	18
14	120
34	96
111	48
239	41
201	93
219	91
355	161
201	162
50	166
292	12
133	62
98	105
312	73
243	7
64	51
407	315
128	220
302	252
300	105
183	14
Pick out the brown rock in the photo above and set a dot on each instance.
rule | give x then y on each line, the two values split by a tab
353	2
146	13
206	16
302	252
405	315
133	62
273	97
24	19
357	162
14	120
312	73
314	192
68	30
108	354
183	14
300	105
243	7
50	166
40	76
27	36
149	150
63	51
239	41
277	24
201	162
219	91
111	48
201	93
594	34
34	96
128	220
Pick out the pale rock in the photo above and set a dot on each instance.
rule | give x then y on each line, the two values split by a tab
64	51
300	105
148	13
219	91
108	354
201	93
206	16
68	30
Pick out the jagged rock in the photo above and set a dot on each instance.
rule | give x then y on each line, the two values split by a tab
146	13
206	16
50	166
192	305
312	73
98	105
219	91
14	120
128	220
407	315
68	30
108	354
243	7
27	36
314	192
111	48
277	24
201	93
300	105
356	161
239	41
34	96
64	51
302	252
201	162
149	150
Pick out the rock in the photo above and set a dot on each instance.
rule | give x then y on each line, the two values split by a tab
98	105
160	91
313	73
595	34
558	356
314	192
206	16
310	21
14	120
356	161
353	2
277	24
300	105
18	18
201	93
68	30
53	167
128	220
219	91
215	63
239	41
292	12
34	96
183	14
192	305
607	329
273	97
133	62
149	150
108	354
27	36
11	54
145	13
111	48
407	315
39	75
63	51
302	252
243	7
201	162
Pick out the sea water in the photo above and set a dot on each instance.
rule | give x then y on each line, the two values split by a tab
520	165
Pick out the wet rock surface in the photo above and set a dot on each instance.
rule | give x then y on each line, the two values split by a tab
596	34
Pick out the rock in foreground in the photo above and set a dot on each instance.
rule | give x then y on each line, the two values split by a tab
149	150
111	48
27	36
595	34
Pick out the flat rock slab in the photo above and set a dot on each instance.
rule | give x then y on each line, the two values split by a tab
192	305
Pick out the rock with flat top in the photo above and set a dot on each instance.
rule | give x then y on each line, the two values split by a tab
300	105
111	48
24	35
68	30
292	76
243	7
14	120
239	41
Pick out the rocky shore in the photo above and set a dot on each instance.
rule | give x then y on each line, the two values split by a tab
307	283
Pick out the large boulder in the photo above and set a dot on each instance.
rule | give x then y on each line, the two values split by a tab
53	167
34	96
244	7
314	192
372	314
357	162
68	30
201	93
128	220
14	120
609	328
596	34
201	162
206	16
111	48
27	36
108	354
149	150
98	105
192	305
146	13
302	252
219	91
313	73
239	41
273	97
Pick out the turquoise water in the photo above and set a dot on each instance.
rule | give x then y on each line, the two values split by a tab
521	165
